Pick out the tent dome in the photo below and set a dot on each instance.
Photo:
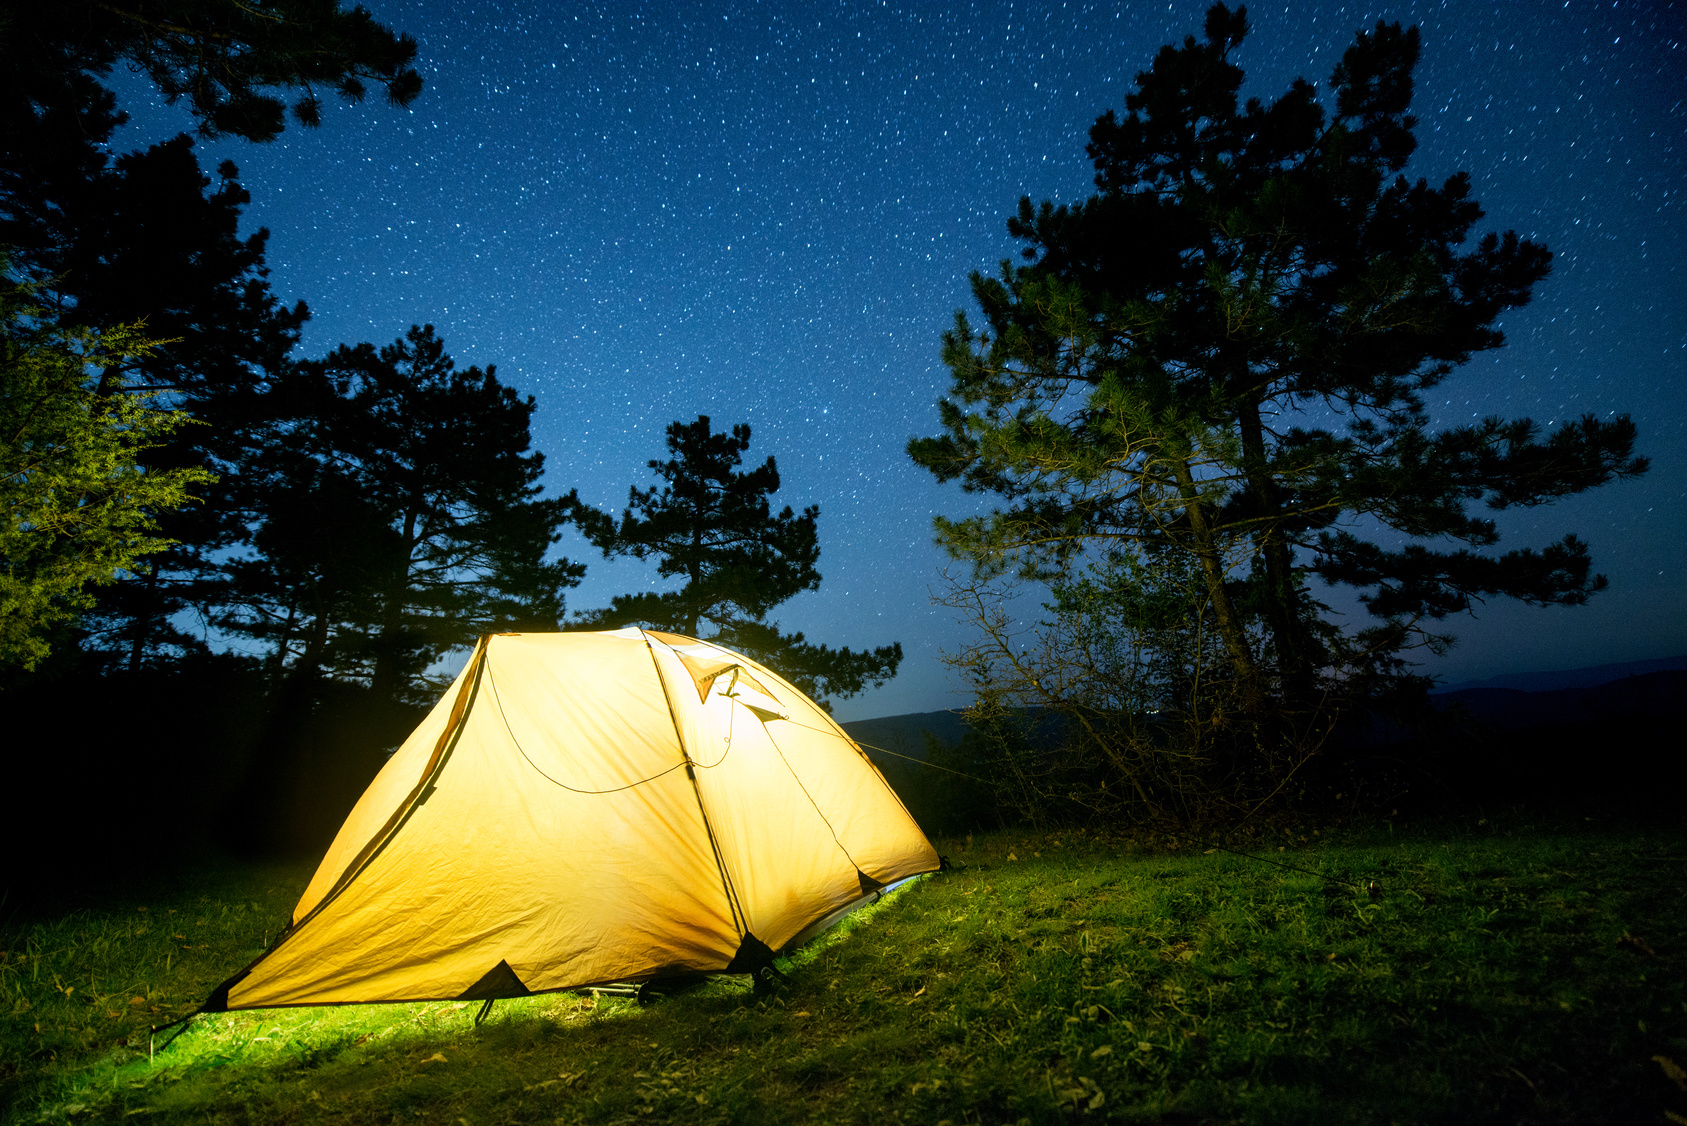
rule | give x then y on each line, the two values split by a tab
582	808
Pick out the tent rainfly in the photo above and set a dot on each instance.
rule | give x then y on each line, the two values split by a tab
586	808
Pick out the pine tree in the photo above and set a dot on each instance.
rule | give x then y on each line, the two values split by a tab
151	239
78	510
138	239
711	525
397	516
1224	353
230	62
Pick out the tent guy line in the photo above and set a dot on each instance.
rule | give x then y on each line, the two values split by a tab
897	754
797	778
1371	886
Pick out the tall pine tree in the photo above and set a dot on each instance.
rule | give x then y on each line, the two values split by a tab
152	239
1224	353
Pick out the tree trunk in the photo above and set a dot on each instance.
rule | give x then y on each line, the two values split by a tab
384	682
142	630
695	572
1289	633
316	639
1224	614
275	665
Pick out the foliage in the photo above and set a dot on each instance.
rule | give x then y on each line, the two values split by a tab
1114	702
295	546
80	509
710	524
398	516
149	237
227	60
119	240
1504	974
1223	356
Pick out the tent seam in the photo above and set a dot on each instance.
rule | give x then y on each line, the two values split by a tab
443	753
739	918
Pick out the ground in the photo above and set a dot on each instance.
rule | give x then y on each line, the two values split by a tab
1502	970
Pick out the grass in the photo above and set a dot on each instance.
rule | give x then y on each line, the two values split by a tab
1503	975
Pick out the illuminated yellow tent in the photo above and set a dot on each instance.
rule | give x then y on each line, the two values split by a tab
585	808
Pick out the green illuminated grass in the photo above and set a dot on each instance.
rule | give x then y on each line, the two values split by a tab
1502	976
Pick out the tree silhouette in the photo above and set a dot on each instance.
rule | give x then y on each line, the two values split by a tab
397	516
1224	353
710	523
151	239
227	61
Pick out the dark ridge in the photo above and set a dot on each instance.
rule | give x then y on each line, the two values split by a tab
1591	676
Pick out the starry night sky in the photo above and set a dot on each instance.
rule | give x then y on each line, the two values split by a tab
768	215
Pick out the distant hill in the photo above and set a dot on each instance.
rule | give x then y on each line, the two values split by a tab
1606	733
1591	677
905	734
1638	690
1653	695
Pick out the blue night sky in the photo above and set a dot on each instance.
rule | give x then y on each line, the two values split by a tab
768	215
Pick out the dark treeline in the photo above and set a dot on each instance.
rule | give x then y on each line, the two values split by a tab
1607	749
229	568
